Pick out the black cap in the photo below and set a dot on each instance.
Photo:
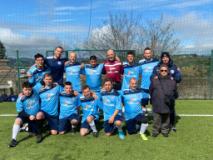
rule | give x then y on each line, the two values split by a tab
165	54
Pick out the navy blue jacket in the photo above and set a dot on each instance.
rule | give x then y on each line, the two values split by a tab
173	71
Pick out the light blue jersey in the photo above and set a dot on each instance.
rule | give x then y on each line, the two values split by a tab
109	102
68	105
49	97
28	104
89	107
73	72
146	71
130	71
132	100
37	74
93	76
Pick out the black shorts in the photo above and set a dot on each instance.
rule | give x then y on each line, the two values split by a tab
131	123
108	127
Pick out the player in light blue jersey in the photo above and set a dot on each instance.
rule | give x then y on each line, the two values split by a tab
27	106
49	97
132	101
93	74
131	70
110	102
68	109
147	65
37	71
89	106
73	71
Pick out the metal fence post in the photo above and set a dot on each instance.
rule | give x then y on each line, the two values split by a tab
18	70
210	78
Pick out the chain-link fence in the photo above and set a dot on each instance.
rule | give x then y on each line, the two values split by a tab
197	70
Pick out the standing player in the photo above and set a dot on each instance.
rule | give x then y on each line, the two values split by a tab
37	71
56	65
73	71
163	94
110	102
131	70
49	95
68	109
147	65
113	69
175	74
93	73
27	106
132	100
89	107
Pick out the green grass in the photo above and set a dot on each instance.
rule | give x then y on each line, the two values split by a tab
193	141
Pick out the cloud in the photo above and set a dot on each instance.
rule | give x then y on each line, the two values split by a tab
62	20
72	8
193	29
28	45
157	4
189	3
58	27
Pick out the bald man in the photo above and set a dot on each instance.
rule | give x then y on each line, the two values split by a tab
113	69
73	71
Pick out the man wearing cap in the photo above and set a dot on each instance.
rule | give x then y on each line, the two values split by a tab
175	74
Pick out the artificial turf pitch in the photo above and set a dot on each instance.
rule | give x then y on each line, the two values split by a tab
192	141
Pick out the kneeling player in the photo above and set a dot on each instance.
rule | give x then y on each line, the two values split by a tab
49	99
132	99
90	112
27	106
68	109
110	102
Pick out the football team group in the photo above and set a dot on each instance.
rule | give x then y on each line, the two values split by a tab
115	93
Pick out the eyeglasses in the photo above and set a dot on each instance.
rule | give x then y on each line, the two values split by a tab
163	70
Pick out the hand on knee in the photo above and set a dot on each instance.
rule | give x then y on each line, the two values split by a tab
118	123
90	119
74	122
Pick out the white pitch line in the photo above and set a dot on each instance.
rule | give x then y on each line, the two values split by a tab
195	115
8	115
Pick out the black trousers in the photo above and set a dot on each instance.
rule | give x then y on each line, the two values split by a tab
161	123
172	116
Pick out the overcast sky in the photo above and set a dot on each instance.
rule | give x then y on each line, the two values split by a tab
36	25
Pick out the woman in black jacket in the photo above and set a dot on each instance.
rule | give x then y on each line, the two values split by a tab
163	92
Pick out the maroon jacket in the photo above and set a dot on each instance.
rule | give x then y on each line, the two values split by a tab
113	70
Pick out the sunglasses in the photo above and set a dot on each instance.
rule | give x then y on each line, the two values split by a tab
163	70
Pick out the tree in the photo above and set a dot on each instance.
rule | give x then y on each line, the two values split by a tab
2	50
124	32
160	36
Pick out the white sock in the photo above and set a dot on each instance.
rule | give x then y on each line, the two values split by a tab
143	128
73	126
92	126
15	131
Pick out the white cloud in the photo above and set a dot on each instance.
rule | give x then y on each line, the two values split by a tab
189	3
72	8
28	45
145	5
194	28
62	20
58	27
